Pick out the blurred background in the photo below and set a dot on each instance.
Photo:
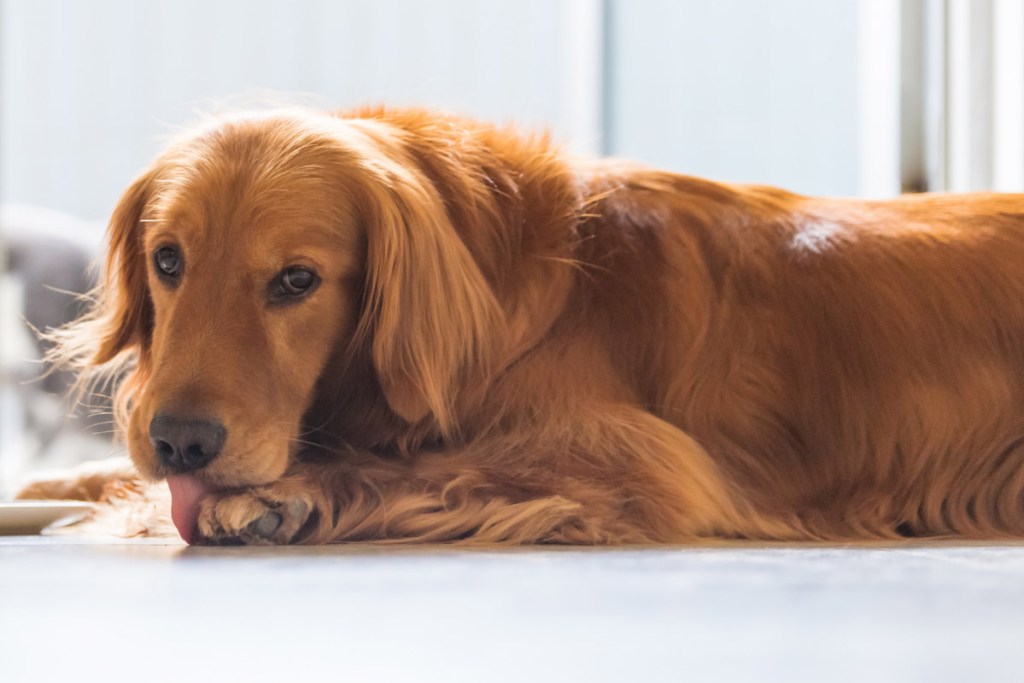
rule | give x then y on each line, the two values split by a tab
837	97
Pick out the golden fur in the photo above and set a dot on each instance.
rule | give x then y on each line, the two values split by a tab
511	345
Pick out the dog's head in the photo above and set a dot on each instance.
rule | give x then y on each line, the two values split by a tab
250	256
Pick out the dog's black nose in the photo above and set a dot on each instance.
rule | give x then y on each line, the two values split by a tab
186	444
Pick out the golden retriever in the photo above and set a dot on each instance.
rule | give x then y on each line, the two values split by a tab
402	325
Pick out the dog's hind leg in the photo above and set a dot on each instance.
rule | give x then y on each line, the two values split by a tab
91	481
126	504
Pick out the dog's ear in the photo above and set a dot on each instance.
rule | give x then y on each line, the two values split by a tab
121	317
125	310
431	317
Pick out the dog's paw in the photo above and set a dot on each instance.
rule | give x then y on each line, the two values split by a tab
274	514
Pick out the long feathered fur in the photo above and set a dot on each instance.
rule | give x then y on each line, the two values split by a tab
528	347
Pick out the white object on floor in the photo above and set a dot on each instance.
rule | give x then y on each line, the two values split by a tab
32	516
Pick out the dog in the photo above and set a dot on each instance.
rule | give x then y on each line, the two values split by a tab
404	325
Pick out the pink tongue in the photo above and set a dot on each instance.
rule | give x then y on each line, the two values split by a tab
186	492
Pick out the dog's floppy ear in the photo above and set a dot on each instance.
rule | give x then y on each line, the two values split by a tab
432	319
121	315
121	318
125	309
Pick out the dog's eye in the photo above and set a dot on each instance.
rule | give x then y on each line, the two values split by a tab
168	261
293	282
296	280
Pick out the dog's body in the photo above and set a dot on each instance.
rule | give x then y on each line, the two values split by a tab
504	344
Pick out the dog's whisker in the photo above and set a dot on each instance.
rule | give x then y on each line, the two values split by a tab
102	432
303	442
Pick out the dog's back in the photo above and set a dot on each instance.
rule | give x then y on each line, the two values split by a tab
829	354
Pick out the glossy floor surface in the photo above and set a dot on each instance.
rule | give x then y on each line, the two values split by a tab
77	610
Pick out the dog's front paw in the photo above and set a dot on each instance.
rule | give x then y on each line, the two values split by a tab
274	514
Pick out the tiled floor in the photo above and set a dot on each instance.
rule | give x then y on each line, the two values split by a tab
74	610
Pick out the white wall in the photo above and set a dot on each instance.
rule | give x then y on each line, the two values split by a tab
88	88
799	93
739	90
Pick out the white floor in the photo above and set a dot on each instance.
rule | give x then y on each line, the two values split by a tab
75	610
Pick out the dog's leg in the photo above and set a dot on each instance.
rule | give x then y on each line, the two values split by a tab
380	500
90	481
622	477
128	505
